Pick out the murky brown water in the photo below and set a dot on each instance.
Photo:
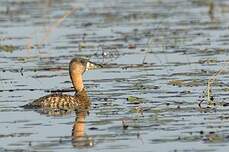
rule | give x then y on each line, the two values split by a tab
158	54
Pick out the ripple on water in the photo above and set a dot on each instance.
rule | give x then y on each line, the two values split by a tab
157	57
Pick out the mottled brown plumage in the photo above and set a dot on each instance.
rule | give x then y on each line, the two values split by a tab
62	101
78	101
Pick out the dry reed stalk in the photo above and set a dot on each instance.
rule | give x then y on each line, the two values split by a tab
208	92
55	25
50	29
30	42
210	82
209	87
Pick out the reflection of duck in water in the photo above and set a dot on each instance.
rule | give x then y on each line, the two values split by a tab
79	139
80	100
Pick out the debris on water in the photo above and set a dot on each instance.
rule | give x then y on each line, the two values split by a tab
138	135
201	132
134	100
225	104
82	45
21	71
140	138
208	61
139	86
213	138
124	124
87	24
93	128
178	138
124	68
60	140
7	48
138	110
144	60
107	53
176	82
131	46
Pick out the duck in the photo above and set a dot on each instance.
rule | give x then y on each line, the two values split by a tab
79	100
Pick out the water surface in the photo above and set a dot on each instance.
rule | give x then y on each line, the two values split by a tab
158	57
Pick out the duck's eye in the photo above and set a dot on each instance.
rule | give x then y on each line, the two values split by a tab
83	62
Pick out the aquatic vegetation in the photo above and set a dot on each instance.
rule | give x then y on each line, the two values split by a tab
7	48
134	100
208	93
213	137
161	58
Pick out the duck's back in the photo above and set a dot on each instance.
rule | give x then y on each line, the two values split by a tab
61	101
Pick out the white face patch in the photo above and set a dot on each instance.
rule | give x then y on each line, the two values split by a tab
88	66
91	66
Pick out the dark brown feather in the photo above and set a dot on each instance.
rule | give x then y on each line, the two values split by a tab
62	101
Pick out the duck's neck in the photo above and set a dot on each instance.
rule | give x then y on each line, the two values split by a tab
77	81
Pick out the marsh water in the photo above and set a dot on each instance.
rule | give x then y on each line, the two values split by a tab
158	56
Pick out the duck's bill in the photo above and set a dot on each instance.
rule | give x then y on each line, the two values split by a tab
91	66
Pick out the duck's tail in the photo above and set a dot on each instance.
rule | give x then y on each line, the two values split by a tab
29	106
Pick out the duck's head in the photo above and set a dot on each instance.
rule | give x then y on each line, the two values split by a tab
80	65
77	67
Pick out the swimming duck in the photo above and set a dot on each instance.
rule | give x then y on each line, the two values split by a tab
77	67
